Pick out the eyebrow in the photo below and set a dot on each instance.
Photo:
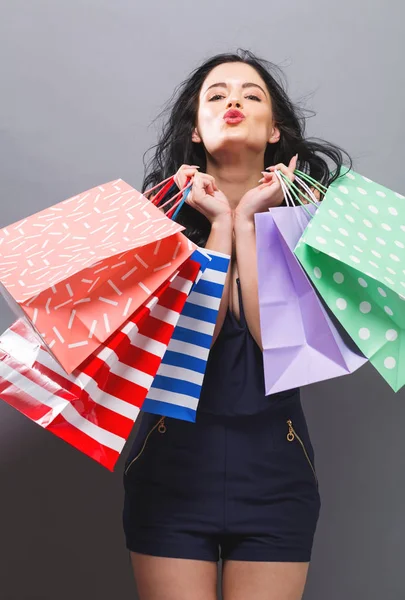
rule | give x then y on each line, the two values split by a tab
244	86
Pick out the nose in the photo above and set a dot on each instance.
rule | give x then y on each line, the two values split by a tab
234	103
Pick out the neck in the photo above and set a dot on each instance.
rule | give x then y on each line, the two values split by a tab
235	174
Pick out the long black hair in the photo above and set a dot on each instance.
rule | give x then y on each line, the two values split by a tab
318	158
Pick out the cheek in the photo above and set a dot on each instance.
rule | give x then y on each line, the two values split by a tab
208	120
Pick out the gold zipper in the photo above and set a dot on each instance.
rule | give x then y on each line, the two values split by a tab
291	435
161	427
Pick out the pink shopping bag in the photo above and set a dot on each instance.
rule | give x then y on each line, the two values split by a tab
79	269
95	407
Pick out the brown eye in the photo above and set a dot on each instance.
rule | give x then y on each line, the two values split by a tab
253	97
216	97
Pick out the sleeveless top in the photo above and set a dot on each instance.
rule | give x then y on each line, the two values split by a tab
234	380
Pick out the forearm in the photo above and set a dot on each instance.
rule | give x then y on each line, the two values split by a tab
245	244
220	240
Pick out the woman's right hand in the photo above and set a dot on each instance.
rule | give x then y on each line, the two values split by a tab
204	195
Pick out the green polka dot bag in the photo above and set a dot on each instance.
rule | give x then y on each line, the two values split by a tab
354	253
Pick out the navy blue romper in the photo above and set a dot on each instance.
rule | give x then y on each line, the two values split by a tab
240	483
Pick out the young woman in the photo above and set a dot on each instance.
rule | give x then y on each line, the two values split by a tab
239	483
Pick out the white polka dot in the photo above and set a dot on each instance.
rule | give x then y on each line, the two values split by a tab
333	214
382	292
320	239
340	243
362	191
388	311
339	201
349	218
315	251
357	249
341	303
326	228
373	264
390	362
388	280
338	277
394	257
362	282
309	225
317	272
380	241
350	176
393	211
364	333
381	194
402	283
367	223
375	253
391	271
365	307
334	255
399	244
367	179
356	206
362	236
402	227
343	189
401	296
400	196
355	259
391	335
373	209
385	226
343	231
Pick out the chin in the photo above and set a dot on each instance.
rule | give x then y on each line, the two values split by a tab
237	140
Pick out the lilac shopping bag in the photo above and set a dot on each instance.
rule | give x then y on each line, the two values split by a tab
301	342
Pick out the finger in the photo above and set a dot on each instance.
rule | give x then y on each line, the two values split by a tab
293	163
267	177
208	183
283	169
182	175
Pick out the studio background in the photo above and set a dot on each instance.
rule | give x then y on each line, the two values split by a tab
80	83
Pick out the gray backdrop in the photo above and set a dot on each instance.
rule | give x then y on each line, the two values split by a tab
80	82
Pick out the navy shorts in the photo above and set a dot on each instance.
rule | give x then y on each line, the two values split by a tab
239	488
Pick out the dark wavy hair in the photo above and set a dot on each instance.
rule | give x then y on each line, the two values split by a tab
320	159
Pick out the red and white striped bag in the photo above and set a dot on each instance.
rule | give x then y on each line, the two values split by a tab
95	407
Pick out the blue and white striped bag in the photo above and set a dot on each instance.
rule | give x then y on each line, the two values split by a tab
176	389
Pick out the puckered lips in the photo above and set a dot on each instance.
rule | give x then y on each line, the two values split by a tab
233	117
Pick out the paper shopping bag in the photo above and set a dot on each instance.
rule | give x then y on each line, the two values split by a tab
78	269
176	389
94	408
301	343
354	254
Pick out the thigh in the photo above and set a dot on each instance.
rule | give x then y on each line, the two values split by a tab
174	578
264	580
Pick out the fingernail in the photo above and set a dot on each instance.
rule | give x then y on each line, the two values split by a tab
261	180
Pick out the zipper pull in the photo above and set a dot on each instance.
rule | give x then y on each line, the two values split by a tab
290	434
162	426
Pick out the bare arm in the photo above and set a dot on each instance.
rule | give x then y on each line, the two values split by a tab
245	243
220	240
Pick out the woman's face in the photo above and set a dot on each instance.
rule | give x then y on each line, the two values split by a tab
234	87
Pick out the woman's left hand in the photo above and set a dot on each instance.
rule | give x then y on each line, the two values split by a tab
268	194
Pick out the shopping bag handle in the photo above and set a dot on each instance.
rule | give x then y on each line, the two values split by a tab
289	188
178	199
